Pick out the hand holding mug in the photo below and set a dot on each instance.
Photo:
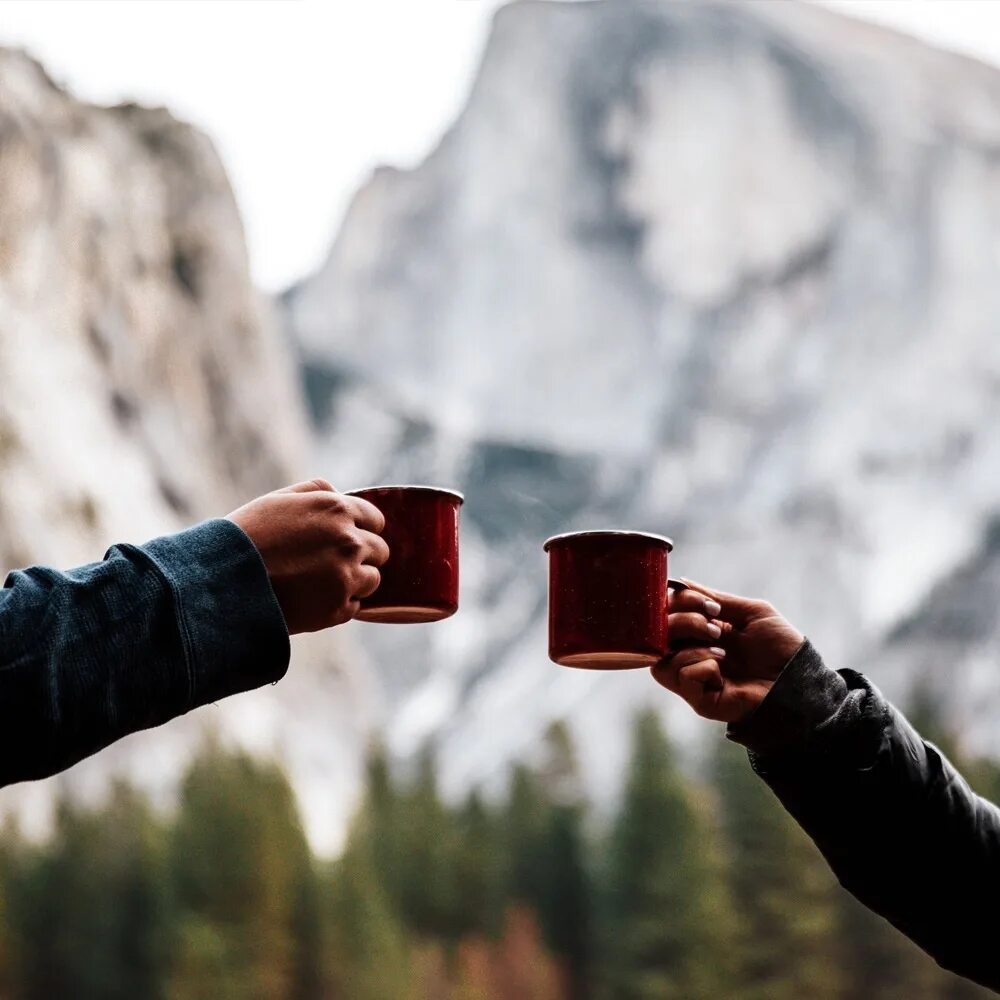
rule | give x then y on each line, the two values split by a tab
321	549
727	651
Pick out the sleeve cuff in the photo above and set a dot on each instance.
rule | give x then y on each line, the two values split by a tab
234	632
806	694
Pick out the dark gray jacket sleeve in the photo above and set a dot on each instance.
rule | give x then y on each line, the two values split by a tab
899	826
147	634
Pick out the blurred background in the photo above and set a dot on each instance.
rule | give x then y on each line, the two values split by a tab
724	270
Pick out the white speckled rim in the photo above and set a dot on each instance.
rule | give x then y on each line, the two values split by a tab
662	539
460	497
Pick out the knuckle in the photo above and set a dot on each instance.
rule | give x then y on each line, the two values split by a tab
326	500
338	533
349	547
323	484
328	518
333	503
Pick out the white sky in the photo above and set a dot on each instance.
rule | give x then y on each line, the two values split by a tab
304	98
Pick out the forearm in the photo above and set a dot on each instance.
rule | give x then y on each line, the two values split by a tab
898	825
128	643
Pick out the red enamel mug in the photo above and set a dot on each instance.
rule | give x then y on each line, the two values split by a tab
420	580
608	599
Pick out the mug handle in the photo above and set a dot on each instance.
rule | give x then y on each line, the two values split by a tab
673	584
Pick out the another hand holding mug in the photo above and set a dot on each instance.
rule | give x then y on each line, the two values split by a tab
724	674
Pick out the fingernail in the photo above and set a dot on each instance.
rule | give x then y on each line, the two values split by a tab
717	651
713	630
712	609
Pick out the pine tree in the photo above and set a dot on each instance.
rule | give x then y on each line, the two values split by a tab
477	869
526	818
666	931
241	867
369	953
309	980
14	859
879	963
205	964
383	810
564	897
6	944
95	912
427	889
786	897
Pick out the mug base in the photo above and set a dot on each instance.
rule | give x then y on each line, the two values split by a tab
607	661
403	615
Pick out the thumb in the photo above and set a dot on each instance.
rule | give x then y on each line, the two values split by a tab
310	486
735	609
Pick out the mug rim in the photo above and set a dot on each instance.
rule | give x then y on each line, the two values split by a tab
668	543
455	494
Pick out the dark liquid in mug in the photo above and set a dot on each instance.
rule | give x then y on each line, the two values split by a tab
420	580
607	600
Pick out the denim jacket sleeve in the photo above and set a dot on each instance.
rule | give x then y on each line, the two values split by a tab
899	826
152	631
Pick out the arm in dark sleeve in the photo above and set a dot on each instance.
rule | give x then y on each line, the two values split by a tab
899	826
151	632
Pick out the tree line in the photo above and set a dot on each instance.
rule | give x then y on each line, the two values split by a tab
696	888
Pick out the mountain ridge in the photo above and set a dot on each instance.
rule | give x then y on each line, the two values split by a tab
702	269
144	385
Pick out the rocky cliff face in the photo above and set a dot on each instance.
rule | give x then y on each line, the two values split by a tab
143	386
724	271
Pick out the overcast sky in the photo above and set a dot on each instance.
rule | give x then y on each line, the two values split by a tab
304	98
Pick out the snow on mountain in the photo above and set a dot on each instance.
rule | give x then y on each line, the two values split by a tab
725	271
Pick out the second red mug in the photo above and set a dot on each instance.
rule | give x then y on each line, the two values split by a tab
420	580
608	599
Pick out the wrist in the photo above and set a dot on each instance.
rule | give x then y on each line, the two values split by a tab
756	695
804	696
783	651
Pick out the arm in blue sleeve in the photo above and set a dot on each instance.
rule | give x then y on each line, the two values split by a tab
149	633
